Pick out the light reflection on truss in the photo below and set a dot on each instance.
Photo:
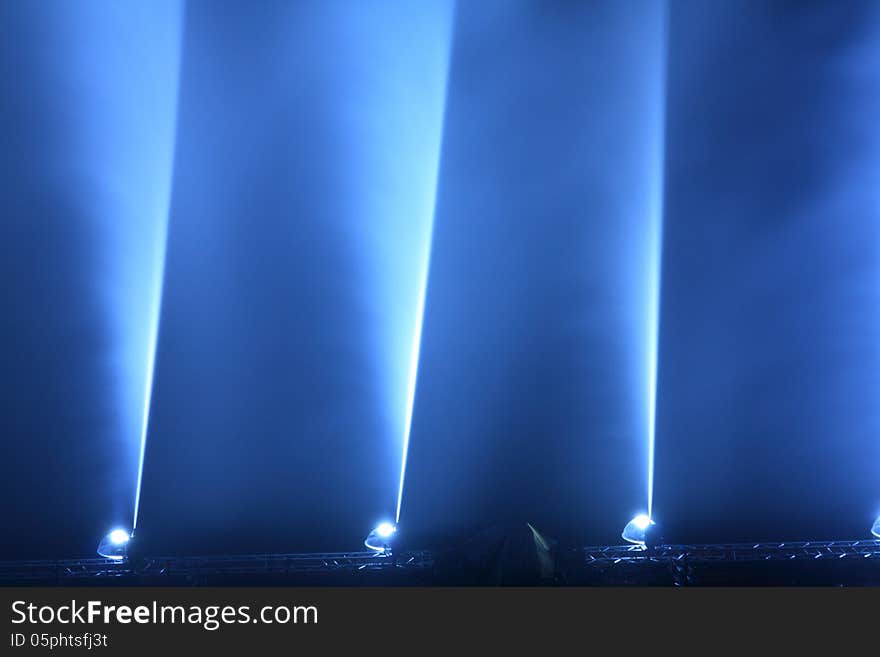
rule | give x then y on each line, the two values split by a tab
257	564
732	552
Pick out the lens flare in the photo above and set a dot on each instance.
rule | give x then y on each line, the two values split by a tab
635	529
380	539
114	545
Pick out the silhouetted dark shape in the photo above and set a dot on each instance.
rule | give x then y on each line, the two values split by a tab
501	555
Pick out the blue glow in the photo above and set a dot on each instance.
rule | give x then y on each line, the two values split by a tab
380	539
635	529
385	529
432	176
394	112
413	378
641	521
655	255
126	123
119	536
419	316
152	343
875	530
155	273
114	545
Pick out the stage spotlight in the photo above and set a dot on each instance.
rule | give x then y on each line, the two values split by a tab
114	545
635	529
381	537
875	530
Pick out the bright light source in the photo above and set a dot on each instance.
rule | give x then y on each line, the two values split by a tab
385	529
114	544
875	530
642	521
635	529
381	537
119	536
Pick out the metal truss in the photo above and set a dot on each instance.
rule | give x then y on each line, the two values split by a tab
732	552
684	564
28	571
287	563
257	564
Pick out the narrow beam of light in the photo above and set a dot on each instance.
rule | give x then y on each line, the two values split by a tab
120	62
389	110
653	357
397	74
153	337
424	273
655	255
161	208
156	314
413	371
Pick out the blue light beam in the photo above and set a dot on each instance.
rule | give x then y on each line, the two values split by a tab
158	269
655	250
150	365
125	61
414	366
392	116
423	274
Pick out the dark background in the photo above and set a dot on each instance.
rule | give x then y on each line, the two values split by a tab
768	419
267	430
